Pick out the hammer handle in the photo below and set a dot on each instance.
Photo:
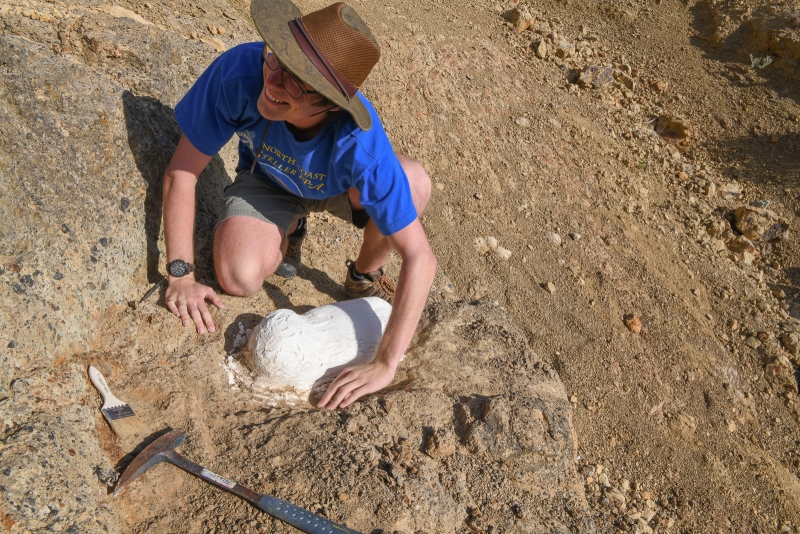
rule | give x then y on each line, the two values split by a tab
300	518
287	512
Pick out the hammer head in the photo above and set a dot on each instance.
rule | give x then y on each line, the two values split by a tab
155	453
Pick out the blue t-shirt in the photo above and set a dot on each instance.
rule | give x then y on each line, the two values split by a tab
223	102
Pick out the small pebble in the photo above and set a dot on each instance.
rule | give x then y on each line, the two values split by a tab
550	287
752	342
503	253
554	238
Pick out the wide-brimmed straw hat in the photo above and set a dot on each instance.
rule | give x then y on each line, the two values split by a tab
332	50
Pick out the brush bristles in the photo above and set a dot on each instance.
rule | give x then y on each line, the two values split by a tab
125	426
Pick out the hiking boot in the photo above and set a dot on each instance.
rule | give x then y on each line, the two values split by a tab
291	260
373	284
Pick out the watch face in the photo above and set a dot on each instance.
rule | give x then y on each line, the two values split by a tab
178	268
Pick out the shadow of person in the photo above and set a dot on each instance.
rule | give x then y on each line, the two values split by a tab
153	134
322	282
282	301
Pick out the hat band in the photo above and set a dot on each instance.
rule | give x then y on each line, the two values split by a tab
319	60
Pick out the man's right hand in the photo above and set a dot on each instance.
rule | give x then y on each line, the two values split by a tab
186	298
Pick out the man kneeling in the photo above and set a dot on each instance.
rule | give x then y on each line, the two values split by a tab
308	142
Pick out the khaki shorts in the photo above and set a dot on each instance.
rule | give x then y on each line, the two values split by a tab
252	195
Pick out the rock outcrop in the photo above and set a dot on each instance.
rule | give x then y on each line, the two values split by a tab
86	135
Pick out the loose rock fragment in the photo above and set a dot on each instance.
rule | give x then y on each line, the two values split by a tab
564	49
480	245
554	238
633	323
752	342
759	223
441	444
791	341
550	287
519	17
503	253
672	127
596	76
780	370
540	49
731	191
658	87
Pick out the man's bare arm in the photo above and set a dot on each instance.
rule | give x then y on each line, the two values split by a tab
414	283
185	297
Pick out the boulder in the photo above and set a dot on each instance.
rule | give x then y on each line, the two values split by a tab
86	136
54	471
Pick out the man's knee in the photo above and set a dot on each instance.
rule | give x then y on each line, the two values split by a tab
419	181
238	279
246	251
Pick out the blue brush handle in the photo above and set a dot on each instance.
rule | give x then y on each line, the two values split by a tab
301	518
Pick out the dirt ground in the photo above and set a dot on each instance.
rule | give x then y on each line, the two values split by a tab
689	423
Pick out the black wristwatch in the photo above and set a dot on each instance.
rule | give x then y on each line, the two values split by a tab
179	268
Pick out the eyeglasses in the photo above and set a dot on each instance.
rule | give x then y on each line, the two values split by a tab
289	82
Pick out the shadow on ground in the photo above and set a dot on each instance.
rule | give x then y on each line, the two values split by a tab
153	134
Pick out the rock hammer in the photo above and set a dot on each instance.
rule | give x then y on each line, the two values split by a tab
163	450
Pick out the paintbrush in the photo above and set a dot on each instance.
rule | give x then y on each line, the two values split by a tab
119	415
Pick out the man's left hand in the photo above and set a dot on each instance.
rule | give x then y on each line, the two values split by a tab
355	382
